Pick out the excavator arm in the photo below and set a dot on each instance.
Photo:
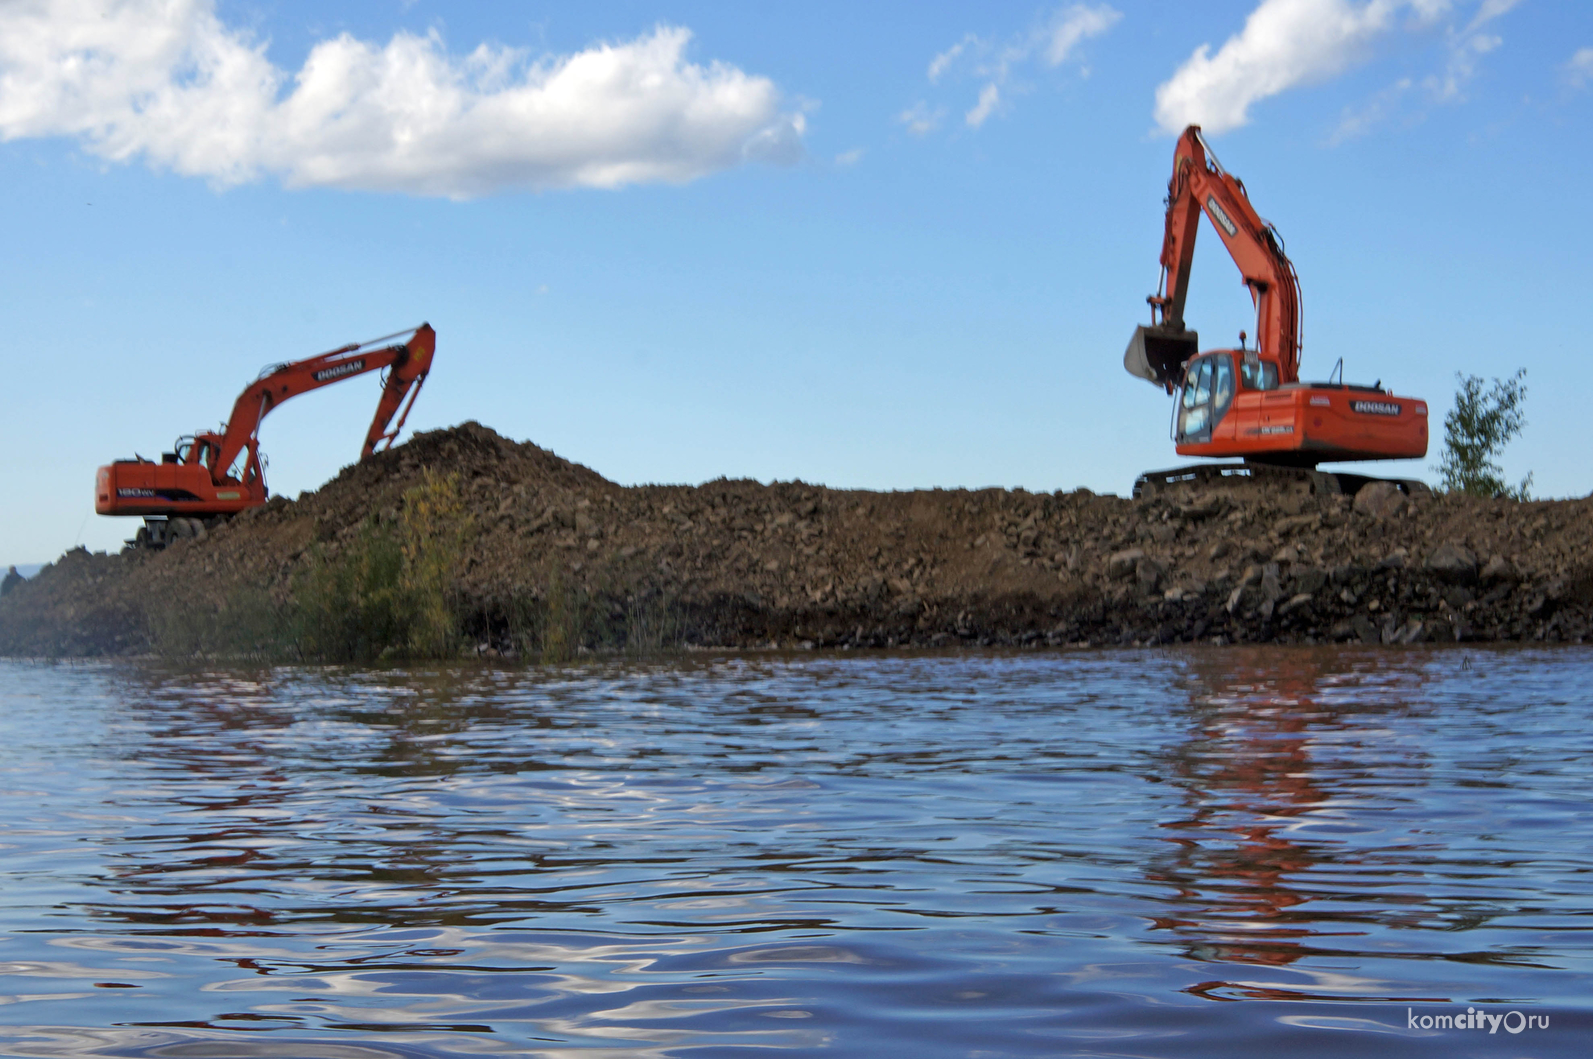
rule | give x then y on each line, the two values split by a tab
212	475
1199	185
406	364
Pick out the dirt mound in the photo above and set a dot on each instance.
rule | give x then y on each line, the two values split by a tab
738	563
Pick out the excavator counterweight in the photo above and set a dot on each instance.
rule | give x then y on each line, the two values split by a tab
212	475
1249	402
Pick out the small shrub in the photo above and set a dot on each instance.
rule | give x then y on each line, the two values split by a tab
389	591
349	605
556	624
434	527
653	623
1476	431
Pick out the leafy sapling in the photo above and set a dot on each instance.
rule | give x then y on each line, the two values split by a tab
1476	431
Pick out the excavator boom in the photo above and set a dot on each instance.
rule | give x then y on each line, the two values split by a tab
216	474
1249	401
406	364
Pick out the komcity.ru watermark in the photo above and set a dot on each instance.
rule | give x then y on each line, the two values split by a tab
1476	1019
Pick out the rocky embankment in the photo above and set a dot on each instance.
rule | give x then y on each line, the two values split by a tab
737	563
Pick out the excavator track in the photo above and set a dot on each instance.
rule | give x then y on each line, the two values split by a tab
1321	483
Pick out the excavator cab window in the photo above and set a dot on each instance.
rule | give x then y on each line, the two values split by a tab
1260	375
1194	400
1203	399
244	468
1222	388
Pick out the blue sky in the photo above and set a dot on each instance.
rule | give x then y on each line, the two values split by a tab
883	245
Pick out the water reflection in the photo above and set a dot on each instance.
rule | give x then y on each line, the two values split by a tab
1025	856
1258	811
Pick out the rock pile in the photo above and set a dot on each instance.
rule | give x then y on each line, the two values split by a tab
738	563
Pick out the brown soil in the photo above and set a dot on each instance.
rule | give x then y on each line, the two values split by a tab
795	565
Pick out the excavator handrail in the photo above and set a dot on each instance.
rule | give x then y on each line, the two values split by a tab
384	338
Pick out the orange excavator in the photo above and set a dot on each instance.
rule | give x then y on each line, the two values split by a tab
1249	402
211	476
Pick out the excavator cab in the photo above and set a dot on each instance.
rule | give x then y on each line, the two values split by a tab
1207	388
190	448
1204	396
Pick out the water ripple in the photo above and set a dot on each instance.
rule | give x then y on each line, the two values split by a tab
1175	853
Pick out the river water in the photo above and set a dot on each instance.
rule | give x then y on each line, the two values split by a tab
1118	853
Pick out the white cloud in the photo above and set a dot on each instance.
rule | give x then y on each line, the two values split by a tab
921	119
1288	43
168	82
1284	43
942	62
1579	71
1358	121
1462	66
989	98
849	158
1052	42
1465	48
1492	9
1073	25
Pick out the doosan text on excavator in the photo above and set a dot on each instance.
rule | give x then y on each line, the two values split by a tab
1250	402
211	476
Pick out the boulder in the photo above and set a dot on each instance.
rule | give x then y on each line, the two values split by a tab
1380	500
1296	601
1358	627
1200	509
1309	580
1288	525
1345	573
1498	571
1120	566
1453	563
1271	584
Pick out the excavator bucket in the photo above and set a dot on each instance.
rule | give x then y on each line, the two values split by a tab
1157	354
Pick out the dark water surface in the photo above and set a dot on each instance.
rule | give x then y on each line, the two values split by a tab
1128	853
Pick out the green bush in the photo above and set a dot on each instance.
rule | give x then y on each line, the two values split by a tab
389	591
1476	431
